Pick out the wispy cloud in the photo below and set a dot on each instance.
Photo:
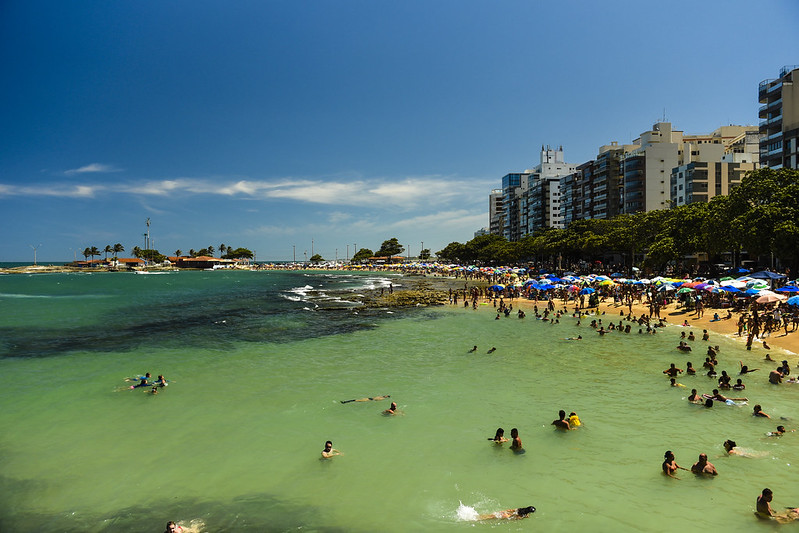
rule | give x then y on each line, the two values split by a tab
92	167
405	193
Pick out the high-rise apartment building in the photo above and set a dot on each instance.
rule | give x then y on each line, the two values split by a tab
779	125
496	212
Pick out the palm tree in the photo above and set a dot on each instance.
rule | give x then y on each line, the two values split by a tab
137	252
107	250
192	253
117	248
87	252
94	251
222	249
211	251
178	252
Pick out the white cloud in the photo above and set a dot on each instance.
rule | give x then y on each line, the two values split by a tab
404	194
92	167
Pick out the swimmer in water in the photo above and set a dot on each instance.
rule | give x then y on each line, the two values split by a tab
745	369
154	390
574	420
779	432
516	445
561	422
758	411
161	381
672	371
670	466
391	410
674	383
172	527
729	447
702	466
689	369
499	437
371	399
764	509
473	349
492	350
509	514
329	451
695	397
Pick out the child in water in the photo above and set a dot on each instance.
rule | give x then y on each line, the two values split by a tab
574	420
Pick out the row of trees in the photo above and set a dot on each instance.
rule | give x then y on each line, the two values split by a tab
225	252
760	216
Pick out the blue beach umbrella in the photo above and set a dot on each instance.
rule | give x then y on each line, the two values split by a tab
728	288
765	274
497	287
546	286
587	290
617	275
793	300
788	288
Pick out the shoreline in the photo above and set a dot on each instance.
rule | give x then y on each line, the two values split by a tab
674	316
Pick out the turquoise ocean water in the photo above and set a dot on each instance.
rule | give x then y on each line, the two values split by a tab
258	364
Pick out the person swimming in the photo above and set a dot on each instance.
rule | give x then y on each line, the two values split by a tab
391	410
574	420
510	514
499	437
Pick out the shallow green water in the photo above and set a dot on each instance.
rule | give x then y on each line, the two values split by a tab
235	440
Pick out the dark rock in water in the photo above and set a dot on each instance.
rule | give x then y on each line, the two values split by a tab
421	294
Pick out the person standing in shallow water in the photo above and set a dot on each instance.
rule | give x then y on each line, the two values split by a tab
516	445
561	422
670	465
329	451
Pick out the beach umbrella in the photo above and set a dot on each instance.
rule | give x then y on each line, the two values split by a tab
752	292
685	290
617	275
497	287
728	288
765	274
587	290
757	284
606	282
666	287
768	297
546	287
793	300
788	288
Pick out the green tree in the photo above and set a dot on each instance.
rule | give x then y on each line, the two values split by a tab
93	252
192	253
107	250
118	248
389	248
362	255
222	249
136	252
210	251
424	255
178	252
454	252
316	258
86	253
239	253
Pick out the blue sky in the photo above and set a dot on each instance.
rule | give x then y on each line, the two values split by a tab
268	124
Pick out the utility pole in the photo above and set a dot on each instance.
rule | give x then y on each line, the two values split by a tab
34	252
294	252
311	247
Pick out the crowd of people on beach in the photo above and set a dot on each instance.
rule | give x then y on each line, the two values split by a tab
756	322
